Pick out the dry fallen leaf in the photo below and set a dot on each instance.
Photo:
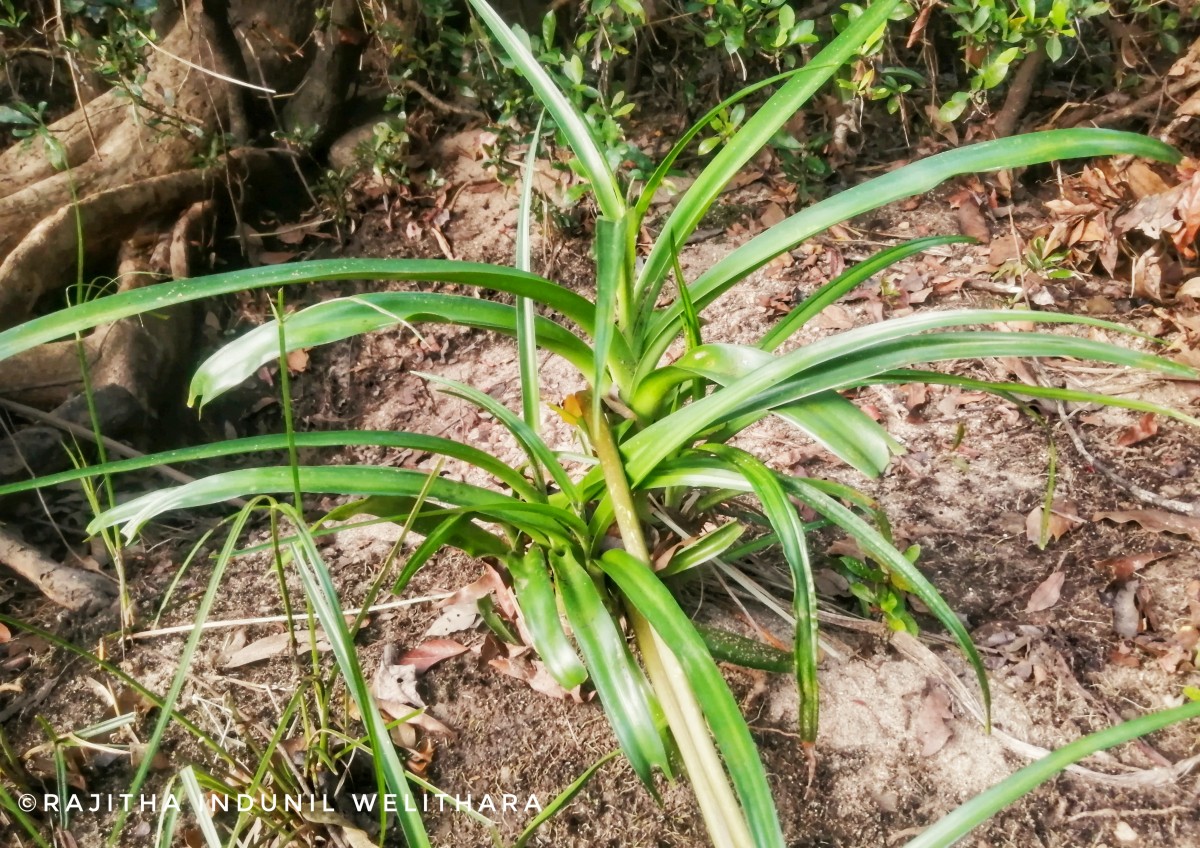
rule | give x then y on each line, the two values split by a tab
1047	593
1146	427
931	723
972	222
454	619
395	685
490	582
1064	517
431	652
272	646
772	214
297	360
1122	568
1156	521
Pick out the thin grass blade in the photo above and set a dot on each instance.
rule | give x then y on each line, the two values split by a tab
527	346
539	453
562	799
323	595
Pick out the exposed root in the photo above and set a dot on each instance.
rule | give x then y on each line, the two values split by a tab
70	587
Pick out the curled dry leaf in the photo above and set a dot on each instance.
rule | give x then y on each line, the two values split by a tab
490	582
1156	521
1146	427
515	661
972	222
297	360
395	686
1047	593
1127	621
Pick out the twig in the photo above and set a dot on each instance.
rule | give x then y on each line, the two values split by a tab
279	619
438	103
85	433
1143	105
1144	495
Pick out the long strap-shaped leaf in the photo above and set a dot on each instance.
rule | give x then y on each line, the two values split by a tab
164	295
539	605
827	417
538	519
756	132
652	599
463	534
938	347
911	180
568	118
790	530
278	442
341	318
661	439
1025	390
628	701
875	545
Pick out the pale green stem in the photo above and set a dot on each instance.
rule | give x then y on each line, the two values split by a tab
723	815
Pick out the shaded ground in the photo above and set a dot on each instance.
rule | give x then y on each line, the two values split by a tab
896	751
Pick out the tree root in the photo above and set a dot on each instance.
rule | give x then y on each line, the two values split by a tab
67	586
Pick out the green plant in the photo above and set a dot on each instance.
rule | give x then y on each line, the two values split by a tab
879	590
995	35
653	432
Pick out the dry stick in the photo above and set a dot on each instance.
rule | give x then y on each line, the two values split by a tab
1151	102
1144	495
441	105
280	619
84	433
66	585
